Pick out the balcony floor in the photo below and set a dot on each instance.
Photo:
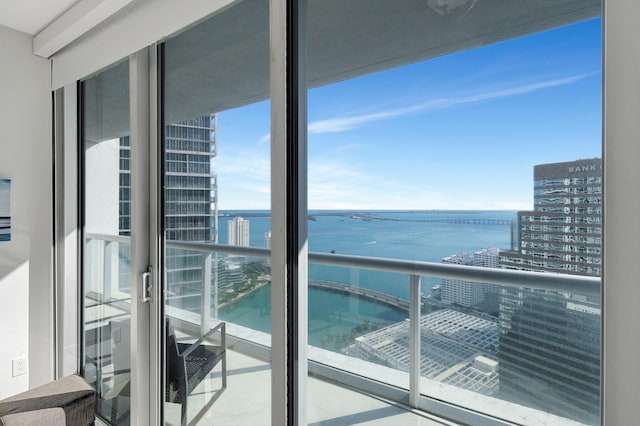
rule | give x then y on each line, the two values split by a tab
246	401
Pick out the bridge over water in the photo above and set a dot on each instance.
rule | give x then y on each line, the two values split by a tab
376	296
368	217
471	221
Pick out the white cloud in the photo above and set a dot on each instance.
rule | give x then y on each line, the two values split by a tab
341	124
243	178
337	183
265	138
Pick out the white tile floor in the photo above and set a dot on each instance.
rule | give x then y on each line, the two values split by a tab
246	401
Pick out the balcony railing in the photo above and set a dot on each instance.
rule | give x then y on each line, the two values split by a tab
567	286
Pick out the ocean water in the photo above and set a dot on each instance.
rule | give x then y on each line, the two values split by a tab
336	319
413	235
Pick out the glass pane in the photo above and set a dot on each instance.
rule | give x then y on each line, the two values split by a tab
216	194
106	246
464	135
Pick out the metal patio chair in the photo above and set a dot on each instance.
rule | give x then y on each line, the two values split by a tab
188	364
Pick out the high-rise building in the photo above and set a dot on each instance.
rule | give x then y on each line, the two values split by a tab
238	232
124	214
467	293
550	341
124	217
515	244
488	258
267	239
190	184
563	232
190	204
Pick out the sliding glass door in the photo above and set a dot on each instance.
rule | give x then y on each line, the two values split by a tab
212	275
216	219
106	244
116	282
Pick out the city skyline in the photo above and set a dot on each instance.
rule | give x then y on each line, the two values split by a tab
461	131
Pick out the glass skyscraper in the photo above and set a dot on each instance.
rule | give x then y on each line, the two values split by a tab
563	233
190	205
550	341
191	214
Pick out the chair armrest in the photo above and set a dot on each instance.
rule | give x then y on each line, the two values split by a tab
70	393
220	327
43	417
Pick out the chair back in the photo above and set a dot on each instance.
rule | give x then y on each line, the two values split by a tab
175	369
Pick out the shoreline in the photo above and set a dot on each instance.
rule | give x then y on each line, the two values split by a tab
244	294
339	288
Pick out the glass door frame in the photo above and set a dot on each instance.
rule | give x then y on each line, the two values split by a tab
141	259
289	361
156	238
289	245
141	387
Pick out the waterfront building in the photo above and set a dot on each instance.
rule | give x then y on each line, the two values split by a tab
267	240
230	276
550	341
488	257
468	293
238	232
267	244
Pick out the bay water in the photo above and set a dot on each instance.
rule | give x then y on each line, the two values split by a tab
335	319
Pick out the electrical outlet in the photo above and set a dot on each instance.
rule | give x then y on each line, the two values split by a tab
19	366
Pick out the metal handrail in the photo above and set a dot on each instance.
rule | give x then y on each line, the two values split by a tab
589	286
108	238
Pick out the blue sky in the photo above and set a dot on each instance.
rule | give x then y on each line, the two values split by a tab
461	131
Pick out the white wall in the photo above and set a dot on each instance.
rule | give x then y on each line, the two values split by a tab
25	262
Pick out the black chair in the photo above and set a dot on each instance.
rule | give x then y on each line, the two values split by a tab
189	364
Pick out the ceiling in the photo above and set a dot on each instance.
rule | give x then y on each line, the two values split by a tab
32	16
223	62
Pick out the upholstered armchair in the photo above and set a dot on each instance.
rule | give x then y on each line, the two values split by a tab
69	401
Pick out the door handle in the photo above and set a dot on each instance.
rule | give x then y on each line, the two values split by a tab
145	293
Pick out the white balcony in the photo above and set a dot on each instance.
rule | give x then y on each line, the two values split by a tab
408	373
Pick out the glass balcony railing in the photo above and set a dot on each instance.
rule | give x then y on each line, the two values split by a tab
529	355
